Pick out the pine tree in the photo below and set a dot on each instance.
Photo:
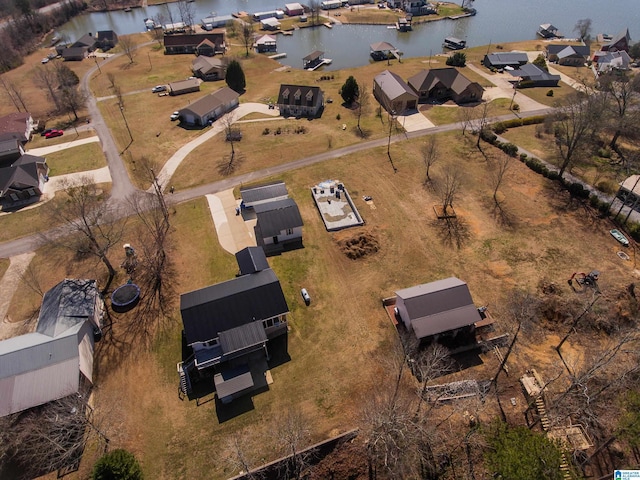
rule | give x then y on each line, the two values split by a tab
350	90
235	77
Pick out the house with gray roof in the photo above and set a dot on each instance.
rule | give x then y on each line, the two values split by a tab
251	260
266	43
210	107
107	39
443	307
505	59
278	226
622	41
605	62
208	68
181	87
531	75
259	194
571	55
395	96
22	176
300	101
442	84
56	360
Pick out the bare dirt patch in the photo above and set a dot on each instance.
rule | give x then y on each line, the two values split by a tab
357	245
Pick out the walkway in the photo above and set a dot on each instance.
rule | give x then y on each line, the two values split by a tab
9	283
174	162
60	182
234	233
62	146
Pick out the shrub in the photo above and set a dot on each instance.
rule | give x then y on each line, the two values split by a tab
634	230
510	149
488	136
266	131
118	464
533	120
576	189
515	107
607	186
458	59
523	157
550	93
604	152
499	128
553	175
338	117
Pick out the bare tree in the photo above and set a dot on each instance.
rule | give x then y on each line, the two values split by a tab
465	116
14	92
429	151
364	102
449	187
498	173
293	435
169	15
574	120
583	28
157	33
46	78
480	122
72	99
9	92
622	94
232	134
314	8
86	212
246	35
431	362
187	13
128	45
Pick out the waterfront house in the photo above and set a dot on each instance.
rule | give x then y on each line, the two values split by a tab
442	84
293	9
531	75
56	360
570	55
210	107
605	62
107	39
270	23
278	225
266	44
313	59
382	51
208	68
419	7
395	96
300	101
206	48
259	16
215	21
505	59
622	41
184	86
443	307
177	43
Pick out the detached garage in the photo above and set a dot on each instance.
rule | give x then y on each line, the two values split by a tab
210	107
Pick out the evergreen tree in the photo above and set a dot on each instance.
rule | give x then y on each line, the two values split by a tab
117	465
541	63
350	90
458	59
235	76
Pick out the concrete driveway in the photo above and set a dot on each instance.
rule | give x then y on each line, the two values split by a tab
415	121
62	146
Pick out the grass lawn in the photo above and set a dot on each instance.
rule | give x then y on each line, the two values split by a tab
345	325
4	264
38	141
77	159
443	115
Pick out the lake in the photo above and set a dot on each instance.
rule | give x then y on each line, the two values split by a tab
348	45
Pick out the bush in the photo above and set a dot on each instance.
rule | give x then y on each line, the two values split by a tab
523	157
499	128
458	59
553	175
266	131
634	230
510	149
550	93
604	152
515	107
607	186
488	136
117	465
338	117
533	120
576	189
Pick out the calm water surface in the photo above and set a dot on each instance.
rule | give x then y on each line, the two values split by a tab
348	45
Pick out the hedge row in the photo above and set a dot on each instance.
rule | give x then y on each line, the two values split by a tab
501	127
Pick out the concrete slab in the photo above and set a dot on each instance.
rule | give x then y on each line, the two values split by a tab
225	237
233	232
415	121
100	175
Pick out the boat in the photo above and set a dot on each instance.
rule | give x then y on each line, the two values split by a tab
619	236
454	43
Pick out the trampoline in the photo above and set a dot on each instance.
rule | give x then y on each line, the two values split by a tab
125	297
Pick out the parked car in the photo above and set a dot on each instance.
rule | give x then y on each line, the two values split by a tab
175	116
44	132
159	88
54	133
305	296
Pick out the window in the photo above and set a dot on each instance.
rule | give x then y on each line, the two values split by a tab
289	231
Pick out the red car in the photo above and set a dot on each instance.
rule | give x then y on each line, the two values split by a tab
54	133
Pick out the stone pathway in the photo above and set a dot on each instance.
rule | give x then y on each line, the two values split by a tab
9	284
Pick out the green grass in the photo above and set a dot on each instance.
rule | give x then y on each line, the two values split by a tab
77	159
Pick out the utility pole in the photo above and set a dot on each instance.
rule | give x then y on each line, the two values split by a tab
125	121
97	64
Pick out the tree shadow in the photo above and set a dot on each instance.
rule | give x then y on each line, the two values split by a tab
453	231
229	164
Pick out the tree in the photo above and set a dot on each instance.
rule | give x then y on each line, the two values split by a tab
502	164
14	93
429	151
86	212
118	464
622	92
72	99
235	77
363	106
541	63
128	45
246	35
458	59
517	453
629	422
292	432
46	79
583	28
186	10
574	119
66	77
449	187
314	8
634	51
232	135
349	90
430	363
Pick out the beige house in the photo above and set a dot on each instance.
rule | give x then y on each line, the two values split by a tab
393	93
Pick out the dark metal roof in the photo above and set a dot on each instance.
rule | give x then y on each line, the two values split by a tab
298	95
211	102
263	192
313	56
232	381
217	308
251	260
506	58
22	174
534	73
243	337
69	303
274	217
556	48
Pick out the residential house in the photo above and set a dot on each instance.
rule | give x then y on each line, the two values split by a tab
228	326
206	48
506	59
259	16
260	194
531	75
189	42
208	68
16	125
270	23
570	55
419	7
442	84
107	39
605	62
278	225
293	9
209	108
395	96
300	101
622	41
56	360
184	86
22	176
629	192
330	4
80	49
443	307
251	260
266	44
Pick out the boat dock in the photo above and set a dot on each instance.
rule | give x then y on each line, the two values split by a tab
328	25
277	56
324	61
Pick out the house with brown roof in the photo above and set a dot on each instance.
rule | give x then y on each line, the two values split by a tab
300	101
442	84
206	48
443	307
209	108
395	96
16	125
184	86
622	41
176	43
208	68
